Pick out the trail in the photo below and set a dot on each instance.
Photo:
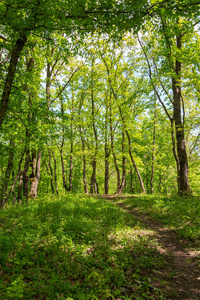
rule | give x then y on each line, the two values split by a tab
181	270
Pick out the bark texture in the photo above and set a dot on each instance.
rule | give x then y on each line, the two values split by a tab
35	179
153	149
183	182
17	49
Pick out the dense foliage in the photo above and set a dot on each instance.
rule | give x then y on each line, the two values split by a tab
99	97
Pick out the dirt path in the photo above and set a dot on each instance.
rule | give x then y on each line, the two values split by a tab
181	270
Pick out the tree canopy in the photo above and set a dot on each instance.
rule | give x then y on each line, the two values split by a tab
99	97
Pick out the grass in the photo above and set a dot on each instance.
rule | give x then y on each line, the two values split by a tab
79	247
179	213
75	247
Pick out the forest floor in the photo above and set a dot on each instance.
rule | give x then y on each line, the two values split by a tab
107	247
181	269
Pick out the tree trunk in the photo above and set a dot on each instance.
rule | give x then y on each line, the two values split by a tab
93	178
106	181
7	174
71	150
83	146
123	165
96	187
55	173
175	152
63	170
51	173
31	119
13	192
35	179
93	184
71	144
84	175
113	151
131	175
134	164
84	166
61	149
181	156
48	85
107	155
71	167
183	182
12	187
25	174
8	169
18	47
116	168
131	156
19	193
160	183
153	149
84	161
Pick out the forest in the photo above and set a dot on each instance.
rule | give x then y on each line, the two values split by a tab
99	101
99	109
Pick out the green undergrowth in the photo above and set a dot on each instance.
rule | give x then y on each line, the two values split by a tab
76	247
179	213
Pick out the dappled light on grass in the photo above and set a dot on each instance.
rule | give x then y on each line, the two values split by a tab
179	213
75	247
131	236
179	275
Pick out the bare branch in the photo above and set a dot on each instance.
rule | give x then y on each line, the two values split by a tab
194	145
3	37
72	75
164	89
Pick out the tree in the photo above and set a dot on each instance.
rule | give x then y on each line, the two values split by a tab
171	34
84	113
24	18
